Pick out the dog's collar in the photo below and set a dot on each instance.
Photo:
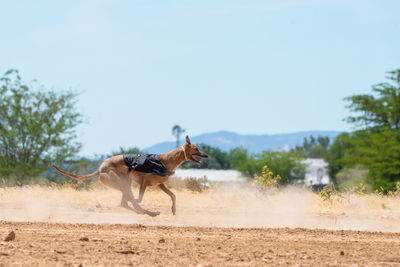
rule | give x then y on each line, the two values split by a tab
184	152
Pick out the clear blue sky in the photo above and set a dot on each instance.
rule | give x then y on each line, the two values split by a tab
253	67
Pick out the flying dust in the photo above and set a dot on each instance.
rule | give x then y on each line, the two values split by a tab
229	205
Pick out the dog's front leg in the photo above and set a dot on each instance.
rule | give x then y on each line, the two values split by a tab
172	195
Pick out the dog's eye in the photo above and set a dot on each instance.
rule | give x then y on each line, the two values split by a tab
197	149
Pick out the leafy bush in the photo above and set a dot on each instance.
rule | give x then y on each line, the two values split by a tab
196	184
175	182
189	183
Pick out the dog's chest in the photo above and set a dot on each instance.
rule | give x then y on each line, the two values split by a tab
156	180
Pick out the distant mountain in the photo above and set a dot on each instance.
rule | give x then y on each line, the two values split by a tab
254	143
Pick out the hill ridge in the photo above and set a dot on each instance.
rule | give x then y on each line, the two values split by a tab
227	140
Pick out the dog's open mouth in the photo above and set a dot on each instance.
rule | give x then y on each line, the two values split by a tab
199	154
195	159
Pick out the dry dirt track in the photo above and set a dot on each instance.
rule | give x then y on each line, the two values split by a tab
63	244
50	222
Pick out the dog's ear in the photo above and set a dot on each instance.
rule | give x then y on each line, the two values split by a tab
187	140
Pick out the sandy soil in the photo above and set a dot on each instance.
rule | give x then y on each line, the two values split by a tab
60	244
225	226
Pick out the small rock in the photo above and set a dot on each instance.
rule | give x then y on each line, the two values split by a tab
84	238
90	209
197	239
162	240
126	252
219	248
342	253
98	206
11	246
10	236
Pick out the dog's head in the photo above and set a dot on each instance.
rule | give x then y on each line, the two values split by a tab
193	152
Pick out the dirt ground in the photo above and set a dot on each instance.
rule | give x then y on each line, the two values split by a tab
220	227
65	244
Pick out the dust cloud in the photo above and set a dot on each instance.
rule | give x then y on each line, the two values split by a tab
230	205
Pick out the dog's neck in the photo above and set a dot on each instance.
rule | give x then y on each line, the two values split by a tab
172	160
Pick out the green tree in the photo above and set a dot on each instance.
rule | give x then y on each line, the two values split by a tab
317	151
380	152
37	127
378	111
335	154
313	148
376	141
121	151
244	162
287	164
324	142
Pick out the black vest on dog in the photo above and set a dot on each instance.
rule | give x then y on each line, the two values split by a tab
149	163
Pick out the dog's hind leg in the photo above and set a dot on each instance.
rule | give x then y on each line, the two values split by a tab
141	192
129	196
172	195
123	184
110	179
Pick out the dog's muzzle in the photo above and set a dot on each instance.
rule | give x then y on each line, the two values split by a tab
200	154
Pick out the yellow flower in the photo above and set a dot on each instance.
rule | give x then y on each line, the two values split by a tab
270	173
357	187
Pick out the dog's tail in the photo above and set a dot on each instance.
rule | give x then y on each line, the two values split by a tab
77	177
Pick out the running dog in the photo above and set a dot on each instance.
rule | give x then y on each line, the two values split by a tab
147	170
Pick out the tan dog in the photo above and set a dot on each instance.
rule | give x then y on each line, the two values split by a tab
114	173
